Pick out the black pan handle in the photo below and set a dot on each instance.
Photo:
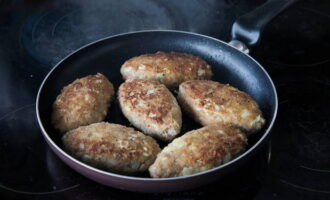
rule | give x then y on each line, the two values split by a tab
247	29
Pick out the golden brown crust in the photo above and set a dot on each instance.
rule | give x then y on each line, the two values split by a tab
151	107
199	150
210	102
111	147
170	68
82	102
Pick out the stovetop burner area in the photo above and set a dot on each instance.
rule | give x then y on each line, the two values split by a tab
303	31
51	34
35	172
35	35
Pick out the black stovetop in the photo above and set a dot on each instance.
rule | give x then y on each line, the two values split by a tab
294	49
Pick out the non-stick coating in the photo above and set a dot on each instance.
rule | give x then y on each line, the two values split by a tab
106	56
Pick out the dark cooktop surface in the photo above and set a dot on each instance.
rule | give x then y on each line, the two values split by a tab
294	49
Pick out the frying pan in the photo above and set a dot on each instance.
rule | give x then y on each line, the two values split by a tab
230	64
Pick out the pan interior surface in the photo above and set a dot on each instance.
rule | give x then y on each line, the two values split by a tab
106	56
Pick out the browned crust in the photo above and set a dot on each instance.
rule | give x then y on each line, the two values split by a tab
159	103
170	68
210	102
199	150
82	102
150	106
111	147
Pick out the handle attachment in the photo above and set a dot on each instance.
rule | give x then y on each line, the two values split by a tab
240	46
247	29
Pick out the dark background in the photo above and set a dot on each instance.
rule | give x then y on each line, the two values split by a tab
294	49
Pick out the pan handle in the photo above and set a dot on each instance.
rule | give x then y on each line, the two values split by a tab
246	30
